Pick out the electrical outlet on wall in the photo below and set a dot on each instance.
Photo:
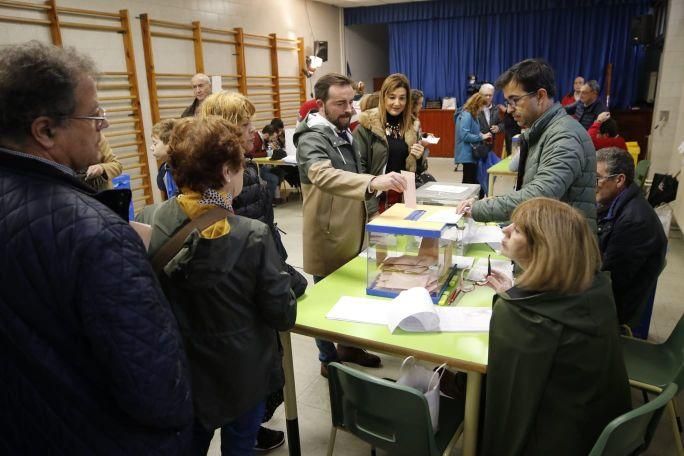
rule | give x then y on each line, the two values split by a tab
664	116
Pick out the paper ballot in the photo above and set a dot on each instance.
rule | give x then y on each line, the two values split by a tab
411	311
410	192
431	139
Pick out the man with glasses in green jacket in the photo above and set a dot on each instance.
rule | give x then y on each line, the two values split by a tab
560	160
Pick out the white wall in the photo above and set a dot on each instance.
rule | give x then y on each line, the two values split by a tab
670	99
286	18
367	51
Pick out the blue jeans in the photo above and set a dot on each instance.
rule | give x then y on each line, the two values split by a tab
327	353
237	437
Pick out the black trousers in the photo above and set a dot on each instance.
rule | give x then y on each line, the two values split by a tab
469	173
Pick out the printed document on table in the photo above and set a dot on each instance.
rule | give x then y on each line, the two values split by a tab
479	271
413	311
464	319
360	310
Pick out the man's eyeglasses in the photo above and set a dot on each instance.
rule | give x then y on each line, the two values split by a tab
100	118
600	178
514	100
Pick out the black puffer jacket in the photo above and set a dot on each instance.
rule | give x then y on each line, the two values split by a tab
255	200
633	245
91	361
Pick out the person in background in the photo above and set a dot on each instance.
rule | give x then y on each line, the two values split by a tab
100	176
488	117
201	89
387	139
359	89
574	96
335	190
228	290
278	140
555	376
469	134
604	133
589	106
161	132
510	127
308	107
558	161
261	142
90	353
631	237
369	101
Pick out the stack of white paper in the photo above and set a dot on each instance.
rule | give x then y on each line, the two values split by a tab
411	311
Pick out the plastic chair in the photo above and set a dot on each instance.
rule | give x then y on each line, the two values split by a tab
389	416
640	172
632	432
651	367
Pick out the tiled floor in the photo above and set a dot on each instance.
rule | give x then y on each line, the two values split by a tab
312	390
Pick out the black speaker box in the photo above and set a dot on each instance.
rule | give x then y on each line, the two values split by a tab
321	50
642	29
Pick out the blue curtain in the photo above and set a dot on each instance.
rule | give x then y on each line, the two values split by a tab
580	38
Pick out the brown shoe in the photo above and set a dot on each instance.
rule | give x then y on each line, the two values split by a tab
357	356
324	369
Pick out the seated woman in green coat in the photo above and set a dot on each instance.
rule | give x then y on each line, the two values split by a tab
227	286
555	375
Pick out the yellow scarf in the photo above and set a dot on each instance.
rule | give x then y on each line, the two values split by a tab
189	201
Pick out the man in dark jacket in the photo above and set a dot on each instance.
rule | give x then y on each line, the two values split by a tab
589	106
488	118
201	89
631	237
91	357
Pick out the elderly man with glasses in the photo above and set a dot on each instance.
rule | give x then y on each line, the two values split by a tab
557	158
631	237
92	361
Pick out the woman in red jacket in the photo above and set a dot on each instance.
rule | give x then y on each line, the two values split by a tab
604	133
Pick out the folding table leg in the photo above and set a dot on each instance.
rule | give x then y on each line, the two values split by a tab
292	424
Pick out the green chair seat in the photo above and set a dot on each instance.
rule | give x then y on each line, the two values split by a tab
632	432
649	363
389	416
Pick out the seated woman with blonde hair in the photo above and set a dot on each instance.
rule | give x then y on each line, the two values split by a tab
226	286
555	376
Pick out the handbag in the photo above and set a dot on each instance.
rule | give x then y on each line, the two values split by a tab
426	381
172	246
480	150
663	189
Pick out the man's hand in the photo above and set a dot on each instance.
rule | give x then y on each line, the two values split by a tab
390	181
94	171
465	206
495	129
486	136
499	281
417	150
603	117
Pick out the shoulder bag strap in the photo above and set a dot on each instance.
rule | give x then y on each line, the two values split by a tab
172	246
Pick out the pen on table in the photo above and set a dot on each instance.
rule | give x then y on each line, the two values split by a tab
489	265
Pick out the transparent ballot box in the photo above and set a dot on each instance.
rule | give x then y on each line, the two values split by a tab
407	249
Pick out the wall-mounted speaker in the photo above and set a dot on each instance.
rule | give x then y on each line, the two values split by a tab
642	29
321	50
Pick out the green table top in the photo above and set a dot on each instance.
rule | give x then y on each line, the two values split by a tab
501	167
467	351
